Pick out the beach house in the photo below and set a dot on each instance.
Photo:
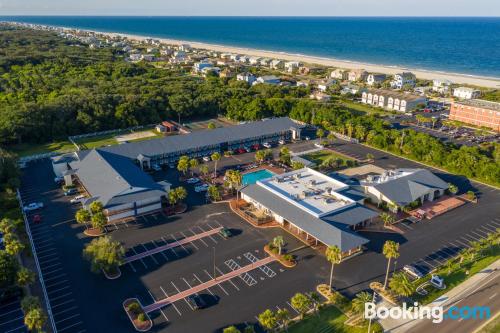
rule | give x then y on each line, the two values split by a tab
375	79
403	79
247	77
269	79
339	74
466	93
391	100
357	75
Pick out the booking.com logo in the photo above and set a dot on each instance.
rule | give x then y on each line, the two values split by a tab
436	313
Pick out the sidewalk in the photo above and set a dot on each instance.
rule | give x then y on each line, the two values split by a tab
404	325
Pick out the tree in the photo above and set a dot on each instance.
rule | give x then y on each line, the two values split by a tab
214	193
98	220
7	226
82	216
370	157
25	277
268	319
96	207
452	188
29	302
215	157
285	156
390	251
249	329
301	303
331	137
283	318
233	179
172	197
193	164
320	133
35	319
334	256
204	170
401	284
8	269
358	303
262	155
316	301
181	193
13	245
183	165
211	125
104	254
387	218
297	165
230	329
278	242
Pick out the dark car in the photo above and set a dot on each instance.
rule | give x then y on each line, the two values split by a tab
8	295
413	271
71	191
196	302
37	218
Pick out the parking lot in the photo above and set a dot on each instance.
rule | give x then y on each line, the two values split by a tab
12	317
83	301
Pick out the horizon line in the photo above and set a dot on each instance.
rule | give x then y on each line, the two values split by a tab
248	16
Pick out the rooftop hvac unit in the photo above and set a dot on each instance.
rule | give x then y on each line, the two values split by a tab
312	182
296	176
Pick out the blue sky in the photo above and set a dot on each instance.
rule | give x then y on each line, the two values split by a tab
253	7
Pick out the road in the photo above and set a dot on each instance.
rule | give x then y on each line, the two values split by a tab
487	293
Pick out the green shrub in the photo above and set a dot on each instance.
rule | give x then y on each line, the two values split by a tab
135	308
288	257
141	317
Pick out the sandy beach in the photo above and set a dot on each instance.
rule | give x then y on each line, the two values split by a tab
487	82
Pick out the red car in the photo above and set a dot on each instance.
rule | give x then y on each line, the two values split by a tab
37	219
256	147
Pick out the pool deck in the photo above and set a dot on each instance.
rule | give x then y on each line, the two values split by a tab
274	169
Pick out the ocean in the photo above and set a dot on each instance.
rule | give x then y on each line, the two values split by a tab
456	45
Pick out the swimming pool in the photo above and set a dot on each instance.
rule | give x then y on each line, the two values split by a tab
253	177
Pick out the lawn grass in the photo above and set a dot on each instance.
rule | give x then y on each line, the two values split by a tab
361	109
457	275
110	139
493	326
319	157
27	149
330	319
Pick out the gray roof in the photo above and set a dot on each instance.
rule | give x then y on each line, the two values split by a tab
114	180
407	189
330	230
179	143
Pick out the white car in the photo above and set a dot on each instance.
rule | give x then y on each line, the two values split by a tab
156	167
318	145
201	188
267	144
77	199
192	180
206	159
281	142
33	206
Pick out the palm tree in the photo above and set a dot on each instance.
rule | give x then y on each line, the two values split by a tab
268	319
82	216
183	165
390	250
330	137
320	133
358	303
193	164
333	255
204	170
283	317
316	300
278	242
401	284
387	218
215	157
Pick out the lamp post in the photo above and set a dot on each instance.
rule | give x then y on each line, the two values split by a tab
215	273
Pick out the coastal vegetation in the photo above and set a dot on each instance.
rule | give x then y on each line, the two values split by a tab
51	88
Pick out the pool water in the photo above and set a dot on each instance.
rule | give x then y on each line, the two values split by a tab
253	177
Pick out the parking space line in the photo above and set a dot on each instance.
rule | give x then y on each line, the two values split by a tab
8	304
63	303
185	300
55	277
455	245
173	304
192	243
51	249
464	244
67	318
209	236
11	311
44	240
474	238
154	300
58	297
291	307
12	320
219	285
172	249
448	250
230	281
55	284
489	228
52	271
43	232
429	264
151	256
57	290
15	329
197	278
65	328
200	239
37	247
145	266
163	254
67	309
482	235
48	255
175	239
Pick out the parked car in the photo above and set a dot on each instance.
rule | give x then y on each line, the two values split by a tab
281	142
77	199
256	146
225	232
266	145
70	191
196	302
156	167
33	206
307	138
413	271
318	145
206	158
201	188
37	218
247	149
58	180
192	180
